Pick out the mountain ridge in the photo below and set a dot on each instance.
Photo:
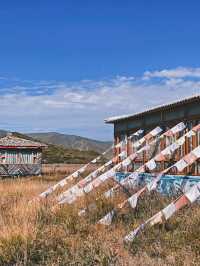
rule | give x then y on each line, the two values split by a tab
71	141
66	140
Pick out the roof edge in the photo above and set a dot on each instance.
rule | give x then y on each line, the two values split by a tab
114	119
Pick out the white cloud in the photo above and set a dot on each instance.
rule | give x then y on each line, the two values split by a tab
179	72
80	108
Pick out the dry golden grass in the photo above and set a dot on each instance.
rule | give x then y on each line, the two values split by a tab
34	234
64	169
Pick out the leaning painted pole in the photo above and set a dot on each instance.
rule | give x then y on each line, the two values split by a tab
76	191
131	180
70	177
188	197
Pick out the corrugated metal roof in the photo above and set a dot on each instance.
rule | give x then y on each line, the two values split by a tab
153	109
13	141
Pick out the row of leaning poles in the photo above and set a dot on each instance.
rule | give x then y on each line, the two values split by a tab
137	182
95	173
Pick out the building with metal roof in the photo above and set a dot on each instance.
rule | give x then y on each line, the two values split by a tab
163	107
186	109
166	116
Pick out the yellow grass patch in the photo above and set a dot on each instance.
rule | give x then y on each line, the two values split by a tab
35	234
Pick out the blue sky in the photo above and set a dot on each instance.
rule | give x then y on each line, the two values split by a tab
66	65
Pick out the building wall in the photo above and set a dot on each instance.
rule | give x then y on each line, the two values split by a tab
20	162
188	113
20	169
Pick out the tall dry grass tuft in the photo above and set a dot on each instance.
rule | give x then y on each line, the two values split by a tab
37	234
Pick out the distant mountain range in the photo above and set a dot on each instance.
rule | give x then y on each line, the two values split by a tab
66	148
3	133
67	141
71	141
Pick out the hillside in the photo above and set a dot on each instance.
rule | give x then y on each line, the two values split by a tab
59	154
71	141
3	133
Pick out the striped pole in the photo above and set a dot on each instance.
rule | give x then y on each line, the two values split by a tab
78	190
189	197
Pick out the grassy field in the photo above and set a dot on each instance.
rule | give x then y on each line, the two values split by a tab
38	233
59	169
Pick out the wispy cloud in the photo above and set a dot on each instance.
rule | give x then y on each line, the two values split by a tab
80	107
180	72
